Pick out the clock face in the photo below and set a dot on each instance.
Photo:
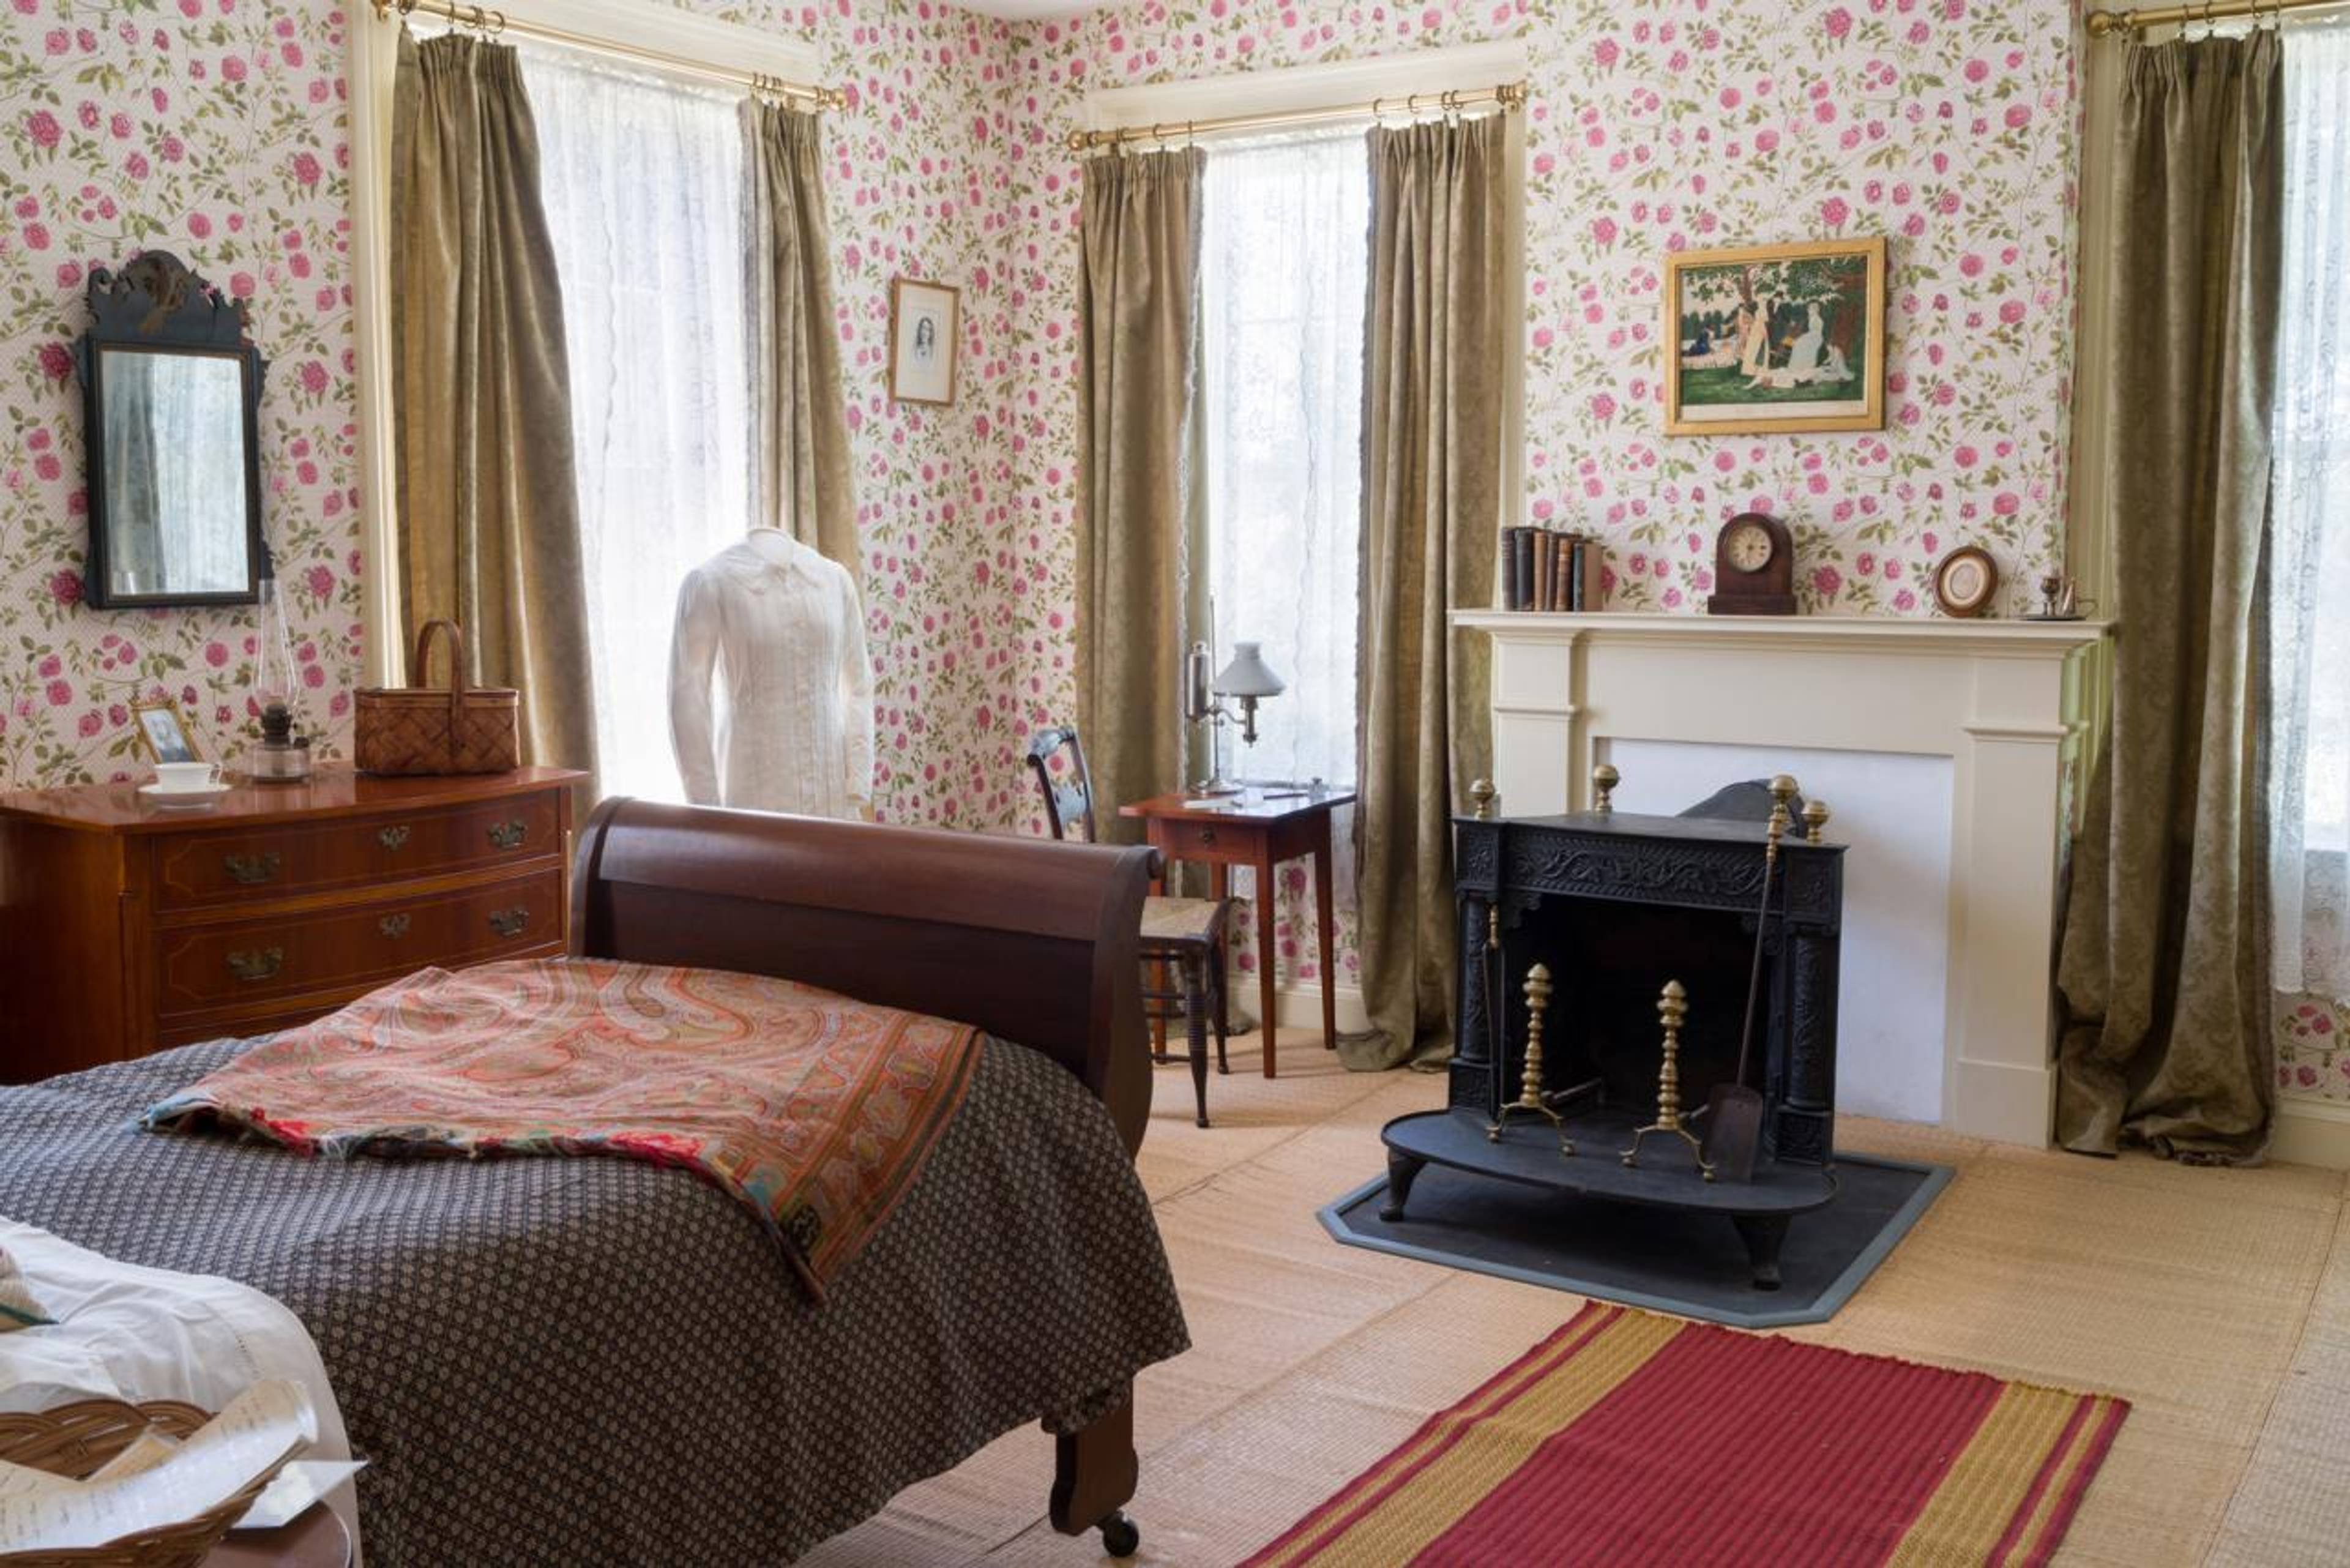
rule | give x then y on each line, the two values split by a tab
1748	547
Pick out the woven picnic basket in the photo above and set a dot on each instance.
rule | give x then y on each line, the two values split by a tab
75	1439
456	729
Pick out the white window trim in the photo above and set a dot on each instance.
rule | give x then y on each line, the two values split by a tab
374	57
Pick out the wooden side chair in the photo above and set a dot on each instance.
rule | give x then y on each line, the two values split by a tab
1181	937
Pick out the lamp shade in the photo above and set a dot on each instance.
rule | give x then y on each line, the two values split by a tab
1248	675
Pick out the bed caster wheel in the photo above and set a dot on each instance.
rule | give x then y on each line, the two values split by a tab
1120	1535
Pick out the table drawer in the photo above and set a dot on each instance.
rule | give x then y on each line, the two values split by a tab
201	967
1179	839
197	870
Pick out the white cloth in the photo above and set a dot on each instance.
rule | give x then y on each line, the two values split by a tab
123	1332
2309	813
642	180
770	691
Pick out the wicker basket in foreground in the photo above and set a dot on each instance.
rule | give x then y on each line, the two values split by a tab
75	1439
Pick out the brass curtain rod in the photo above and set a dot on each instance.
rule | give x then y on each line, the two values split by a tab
1507	96
2101	23
490	21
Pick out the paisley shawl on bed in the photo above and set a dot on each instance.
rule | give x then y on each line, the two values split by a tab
814	1110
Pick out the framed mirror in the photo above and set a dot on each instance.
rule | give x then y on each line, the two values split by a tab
172	401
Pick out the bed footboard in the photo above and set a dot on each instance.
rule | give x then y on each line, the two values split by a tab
1031	940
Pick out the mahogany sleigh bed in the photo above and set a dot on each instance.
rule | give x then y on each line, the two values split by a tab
601	1361
1029	943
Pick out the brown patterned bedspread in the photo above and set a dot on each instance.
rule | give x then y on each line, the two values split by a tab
599	1361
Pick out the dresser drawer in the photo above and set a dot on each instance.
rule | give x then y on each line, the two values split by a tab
195	870
208	967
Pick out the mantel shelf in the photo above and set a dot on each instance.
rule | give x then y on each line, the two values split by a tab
1913	633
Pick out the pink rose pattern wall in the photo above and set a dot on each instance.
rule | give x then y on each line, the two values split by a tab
1671	125
215	128
212	129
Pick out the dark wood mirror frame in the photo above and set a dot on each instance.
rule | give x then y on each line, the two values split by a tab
155	303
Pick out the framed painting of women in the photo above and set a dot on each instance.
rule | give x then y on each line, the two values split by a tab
1775	337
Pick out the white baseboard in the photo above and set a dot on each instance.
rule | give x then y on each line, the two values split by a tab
1300	1006
2311	1132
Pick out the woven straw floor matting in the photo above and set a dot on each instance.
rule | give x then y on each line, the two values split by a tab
2186	1292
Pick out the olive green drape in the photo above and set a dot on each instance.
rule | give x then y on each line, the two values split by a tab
488	518
2164	962
800	434
1432	504
1138	300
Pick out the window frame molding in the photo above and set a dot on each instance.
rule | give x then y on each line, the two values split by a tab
373	59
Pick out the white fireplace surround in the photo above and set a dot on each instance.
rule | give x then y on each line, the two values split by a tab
1997	708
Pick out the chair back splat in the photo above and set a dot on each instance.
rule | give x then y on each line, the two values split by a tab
1069	799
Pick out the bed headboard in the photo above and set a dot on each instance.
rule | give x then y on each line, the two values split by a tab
1030	939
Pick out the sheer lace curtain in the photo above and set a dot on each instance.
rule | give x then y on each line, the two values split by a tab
2310	816
1282	280
642	180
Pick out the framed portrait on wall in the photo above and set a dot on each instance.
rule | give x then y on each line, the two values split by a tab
1775	337
923	340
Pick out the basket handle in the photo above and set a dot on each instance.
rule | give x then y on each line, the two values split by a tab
422	661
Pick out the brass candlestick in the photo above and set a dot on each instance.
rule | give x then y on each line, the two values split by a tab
1530	1097
1603	780
1672	1007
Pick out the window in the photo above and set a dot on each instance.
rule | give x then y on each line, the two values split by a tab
641	179
1285	248
2310	880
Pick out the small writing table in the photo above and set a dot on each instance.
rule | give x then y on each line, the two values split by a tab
1258	828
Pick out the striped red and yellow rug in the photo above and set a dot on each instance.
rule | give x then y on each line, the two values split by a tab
1626	1437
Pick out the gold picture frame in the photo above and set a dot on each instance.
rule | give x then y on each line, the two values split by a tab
1761	339
925	339
163	732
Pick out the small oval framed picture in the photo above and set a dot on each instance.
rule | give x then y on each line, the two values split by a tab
1966	581
163	733
923	340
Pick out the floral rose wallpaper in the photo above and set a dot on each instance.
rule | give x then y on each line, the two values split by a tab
2313	1047
216	128
1947	125
212	128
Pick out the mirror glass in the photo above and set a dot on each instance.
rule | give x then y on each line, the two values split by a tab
176	509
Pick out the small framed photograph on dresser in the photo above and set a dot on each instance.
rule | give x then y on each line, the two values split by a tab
923	317
163	733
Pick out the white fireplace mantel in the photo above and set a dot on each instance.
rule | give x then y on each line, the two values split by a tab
2000	704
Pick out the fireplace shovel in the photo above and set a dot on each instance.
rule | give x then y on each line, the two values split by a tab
1733	1111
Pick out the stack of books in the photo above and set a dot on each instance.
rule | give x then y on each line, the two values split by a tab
1549	569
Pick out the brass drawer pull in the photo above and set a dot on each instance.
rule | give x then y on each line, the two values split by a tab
392	838
251	868
393	926
509	922
507	834
260	963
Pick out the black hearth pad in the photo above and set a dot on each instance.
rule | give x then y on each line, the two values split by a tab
1688	1264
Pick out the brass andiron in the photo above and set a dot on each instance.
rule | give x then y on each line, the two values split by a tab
1530	1096
1603	780
1672	1007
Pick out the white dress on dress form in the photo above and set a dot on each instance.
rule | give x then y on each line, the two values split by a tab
771	694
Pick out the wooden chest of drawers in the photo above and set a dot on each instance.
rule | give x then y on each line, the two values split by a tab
126	927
